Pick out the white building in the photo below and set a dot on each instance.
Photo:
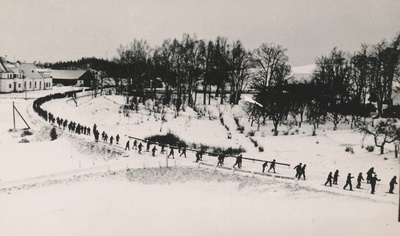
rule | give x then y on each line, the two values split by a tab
19	77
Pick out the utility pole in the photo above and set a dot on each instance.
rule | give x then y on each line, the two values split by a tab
14	115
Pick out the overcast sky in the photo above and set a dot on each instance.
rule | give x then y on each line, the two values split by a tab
53	30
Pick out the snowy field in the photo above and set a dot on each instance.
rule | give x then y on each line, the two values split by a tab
74	186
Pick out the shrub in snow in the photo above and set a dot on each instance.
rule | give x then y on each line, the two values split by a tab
53	134
26	133
349	149
240	129
370	148
251	133
24	140
260	148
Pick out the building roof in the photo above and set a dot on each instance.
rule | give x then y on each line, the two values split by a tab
5	66
67	74
29	70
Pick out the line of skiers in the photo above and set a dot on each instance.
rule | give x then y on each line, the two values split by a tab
300	168
372	179
71	125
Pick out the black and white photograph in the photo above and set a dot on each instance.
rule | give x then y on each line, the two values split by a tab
199	117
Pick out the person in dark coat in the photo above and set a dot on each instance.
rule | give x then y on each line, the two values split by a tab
199	156
303	172
348	182
116	138
162	148
171	153
298	170
359	179
265	164
329	179
134	144
391	184
148	146
154	151
372	181
140	147
88	131
335	177
127	146
272	165
111	139
221	159
183	152
238	162
369	174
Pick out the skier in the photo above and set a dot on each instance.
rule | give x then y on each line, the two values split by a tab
134	144
96	135
171	152
154	151
329	179
369	174
265	164
111	139
221	158
335	177
140	147
348	182
127	146
183	152
199	156
272	166
148	146
162	148
303	172
298	170
239	159
373	183
116	137
359	178
392	183
88	131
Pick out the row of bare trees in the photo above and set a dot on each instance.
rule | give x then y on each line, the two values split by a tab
191	65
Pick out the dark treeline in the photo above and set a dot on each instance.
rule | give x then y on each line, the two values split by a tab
343	84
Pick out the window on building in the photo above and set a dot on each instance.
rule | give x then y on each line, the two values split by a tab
40	84
19	85
10	86
30	84
24	84
35	84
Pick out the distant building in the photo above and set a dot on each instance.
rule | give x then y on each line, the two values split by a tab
72	77
19	77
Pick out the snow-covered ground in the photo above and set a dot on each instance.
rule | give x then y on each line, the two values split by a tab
74	186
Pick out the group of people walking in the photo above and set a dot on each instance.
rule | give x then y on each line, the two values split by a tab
371	178
77	128
300	171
